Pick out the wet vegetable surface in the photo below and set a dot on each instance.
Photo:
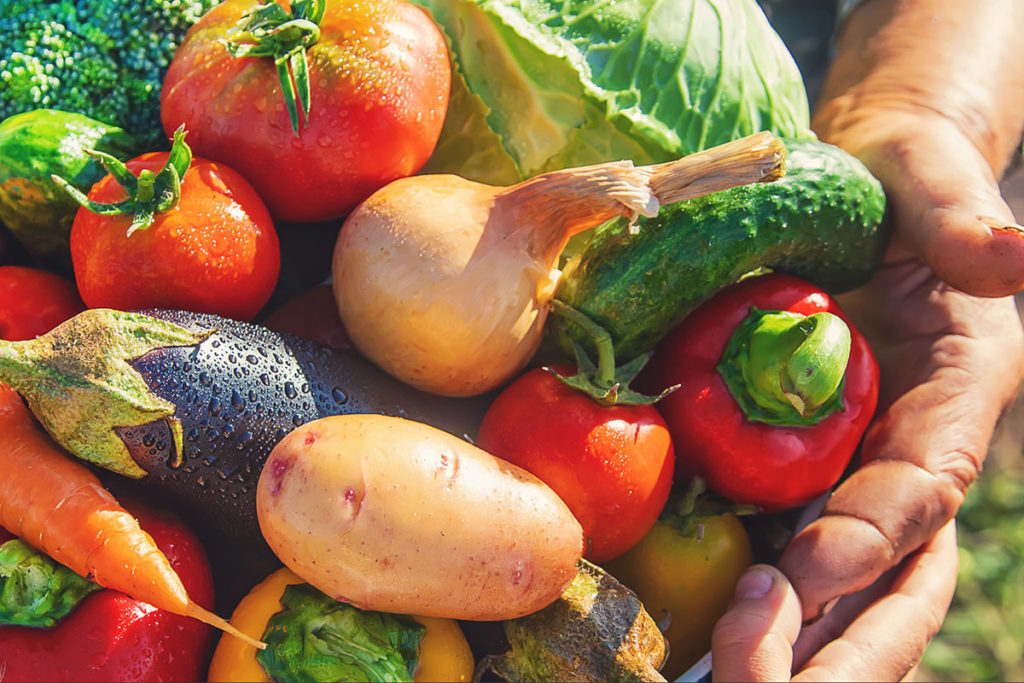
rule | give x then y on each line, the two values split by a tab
238	393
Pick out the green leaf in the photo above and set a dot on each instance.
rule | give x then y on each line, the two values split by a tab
316	638
572	82
34	589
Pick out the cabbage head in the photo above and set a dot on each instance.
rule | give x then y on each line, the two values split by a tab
546	84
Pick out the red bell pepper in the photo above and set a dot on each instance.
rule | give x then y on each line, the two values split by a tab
776	388
33	301
109	636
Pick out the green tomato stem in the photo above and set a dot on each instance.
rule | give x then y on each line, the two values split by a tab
604	377
271	31
148	195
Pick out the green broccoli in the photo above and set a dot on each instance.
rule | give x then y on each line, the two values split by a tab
105	59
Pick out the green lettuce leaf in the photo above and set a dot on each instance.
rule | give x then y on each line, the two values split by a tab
34	589
546	84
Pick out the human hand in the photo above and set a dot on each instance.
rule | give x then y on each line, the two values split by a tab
950	363
879	633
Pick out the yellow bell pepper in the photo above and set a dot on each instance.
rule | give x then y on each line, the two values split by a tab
444	654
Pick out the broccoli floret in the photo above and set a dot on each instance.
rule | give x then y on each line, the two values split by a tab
105	59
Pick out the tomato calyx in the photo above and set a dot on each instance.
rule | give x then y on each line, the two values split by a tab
148	194
785	368
686	512
605	382
272	31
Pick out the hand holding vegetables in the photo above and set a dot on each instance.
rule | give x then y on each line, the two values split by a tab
950	363
948	203
444	282
878	634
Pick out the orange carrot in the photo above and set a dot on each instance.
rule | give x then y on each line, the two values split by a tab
58	506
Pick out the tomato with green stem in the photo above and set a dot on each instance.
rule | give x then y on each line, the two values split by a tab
169	230
317	103
602	448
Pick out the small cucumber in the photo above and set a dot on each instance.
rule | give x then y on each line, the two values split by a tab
823	221
36	144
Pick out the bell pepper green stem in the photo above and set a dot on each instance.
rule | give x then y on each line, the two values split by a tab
785	368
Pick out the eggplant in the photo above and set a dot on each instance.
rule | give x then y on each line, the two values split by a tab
192	404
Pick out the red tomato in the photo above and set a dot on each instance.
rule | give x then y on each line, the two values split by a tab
770	465
215	252
611	465
111	637
379	78
311	315
33	301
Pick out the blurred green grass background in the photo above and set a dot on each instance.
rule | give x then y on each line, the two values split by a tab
982	638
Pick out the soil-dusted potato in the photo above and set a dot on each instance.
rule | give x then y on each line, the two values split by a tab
393	515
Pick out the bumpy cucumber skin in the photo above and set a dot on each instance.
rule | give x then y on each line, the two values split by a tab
824	221
36	144
237	394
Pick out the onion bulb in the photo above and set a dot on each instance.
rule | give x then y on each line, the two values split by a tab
444	282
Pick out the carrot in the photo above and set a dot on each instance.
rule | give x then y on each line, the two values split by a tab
58	506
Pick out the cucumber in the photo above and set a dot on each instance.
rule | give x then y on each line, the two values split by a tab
824	221
36	144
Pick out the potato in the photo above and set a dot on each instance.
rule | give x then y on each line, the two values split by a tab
393	515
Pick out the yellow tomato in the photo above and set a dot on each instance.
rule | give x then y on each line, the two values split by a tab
686	582
444	653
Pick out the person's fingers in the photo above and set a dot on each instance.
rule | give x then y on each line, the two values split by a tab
937	131
753	641
947	207
885	640
942	395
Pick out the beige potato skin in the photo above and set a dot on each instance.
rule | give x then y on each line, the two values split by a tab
393	515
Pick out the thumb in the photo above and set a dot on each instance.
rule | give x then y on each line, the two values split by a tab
753	641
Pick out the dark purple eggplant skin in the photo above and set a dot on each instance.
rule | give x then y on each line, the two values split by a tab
241	391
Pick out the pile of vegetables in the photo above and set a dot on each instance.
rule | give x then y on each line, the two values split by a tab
517	429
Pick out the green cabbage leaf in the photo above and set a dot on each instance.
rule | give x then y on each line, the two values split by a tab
546	84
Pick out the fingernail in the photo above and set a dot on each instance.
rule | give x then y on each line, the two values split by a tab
755	583
1014	229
